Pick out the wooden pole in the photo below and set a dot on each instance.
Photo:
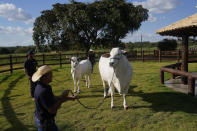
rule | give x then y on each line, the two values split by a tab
136	55
173	75
11	67
161	77
143	56
159	56
178	55
60	59
184	66
191	86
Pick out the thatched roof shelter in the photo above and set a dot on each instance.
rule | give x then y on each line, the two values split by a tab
187	26
183	28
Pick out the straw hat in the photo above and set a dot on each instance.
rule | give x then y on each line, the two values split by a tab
40	72
91	50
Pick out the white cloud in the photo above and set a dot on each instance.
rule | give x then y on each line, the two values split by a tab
15	30
151	18
12	13
158	6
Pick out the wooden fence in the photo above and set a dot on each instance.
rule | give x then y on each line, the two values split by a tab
12	63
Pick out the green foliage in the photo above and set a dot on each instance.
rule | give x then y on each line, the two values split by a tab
24	49
4	51
146	45
167	45
15	50
101	23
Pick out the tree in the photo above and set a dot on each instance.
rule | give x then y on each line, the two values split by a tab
48	32
167	44
102	22
122	18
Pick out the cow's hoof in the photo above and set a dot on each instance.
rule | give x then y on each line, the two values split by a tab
125	107
112	107
78	92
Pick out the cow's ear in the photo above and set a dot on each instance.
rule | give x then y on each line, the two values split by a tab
123	52
107	55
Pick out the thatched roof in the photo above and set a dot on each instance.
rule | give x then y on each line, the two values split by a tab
187	26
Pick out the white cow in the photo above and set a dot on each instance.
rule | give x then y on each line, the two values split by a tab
117	72
80	69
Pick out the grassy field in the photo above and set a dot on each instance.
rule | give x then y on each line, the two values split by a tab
152	106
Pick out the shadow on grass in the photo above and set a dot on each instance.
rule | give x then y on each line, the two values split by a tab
8	110
5	78
167	101
89	96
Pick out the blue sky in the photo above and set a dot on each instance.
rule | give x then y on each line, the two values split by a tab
17	17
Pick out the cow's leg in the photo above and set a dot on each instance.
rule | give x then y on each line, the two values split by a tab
78	91
74	79
88	81
125	102
112	96
104	86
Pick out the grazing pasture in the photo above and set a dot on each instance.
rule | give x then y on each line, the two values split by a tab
152	106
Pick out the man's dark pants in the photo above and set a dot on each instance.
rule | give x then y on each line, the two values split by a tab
32	87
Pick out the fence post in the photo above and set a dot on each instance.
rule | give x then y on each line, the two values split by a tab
191	86
136	54
179	55
60	59
43	59
143	56
11	67
159	56
173	75
161	76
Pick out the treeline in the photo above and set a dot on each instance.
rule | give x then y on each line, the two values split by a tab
163	45
16	50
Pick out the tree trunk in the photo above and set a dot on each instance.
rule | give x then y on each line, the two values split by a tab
87	47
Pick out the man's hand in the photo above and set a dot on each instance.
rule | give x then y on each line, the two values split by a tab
72	97
65	95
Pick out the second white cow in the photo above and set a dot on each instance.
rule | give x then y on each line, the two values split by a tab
116	70
80	69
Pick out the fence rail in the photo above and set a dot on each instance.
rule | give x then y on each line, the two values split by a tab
174	69
16	62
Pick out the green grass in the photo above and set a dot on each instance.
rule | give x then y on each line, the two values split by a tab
152	106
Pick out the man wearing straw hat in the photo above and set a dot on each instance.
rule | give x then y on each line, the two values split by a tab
91	57
46	103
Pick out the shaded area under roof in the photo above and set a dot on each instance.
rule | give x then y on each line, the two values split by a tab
184	27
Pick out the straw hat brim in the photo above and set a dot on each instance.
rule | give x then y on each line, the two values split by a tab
40	72
91	50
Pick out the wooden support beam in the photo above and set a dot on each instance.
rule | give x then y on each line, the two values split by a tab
184	65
